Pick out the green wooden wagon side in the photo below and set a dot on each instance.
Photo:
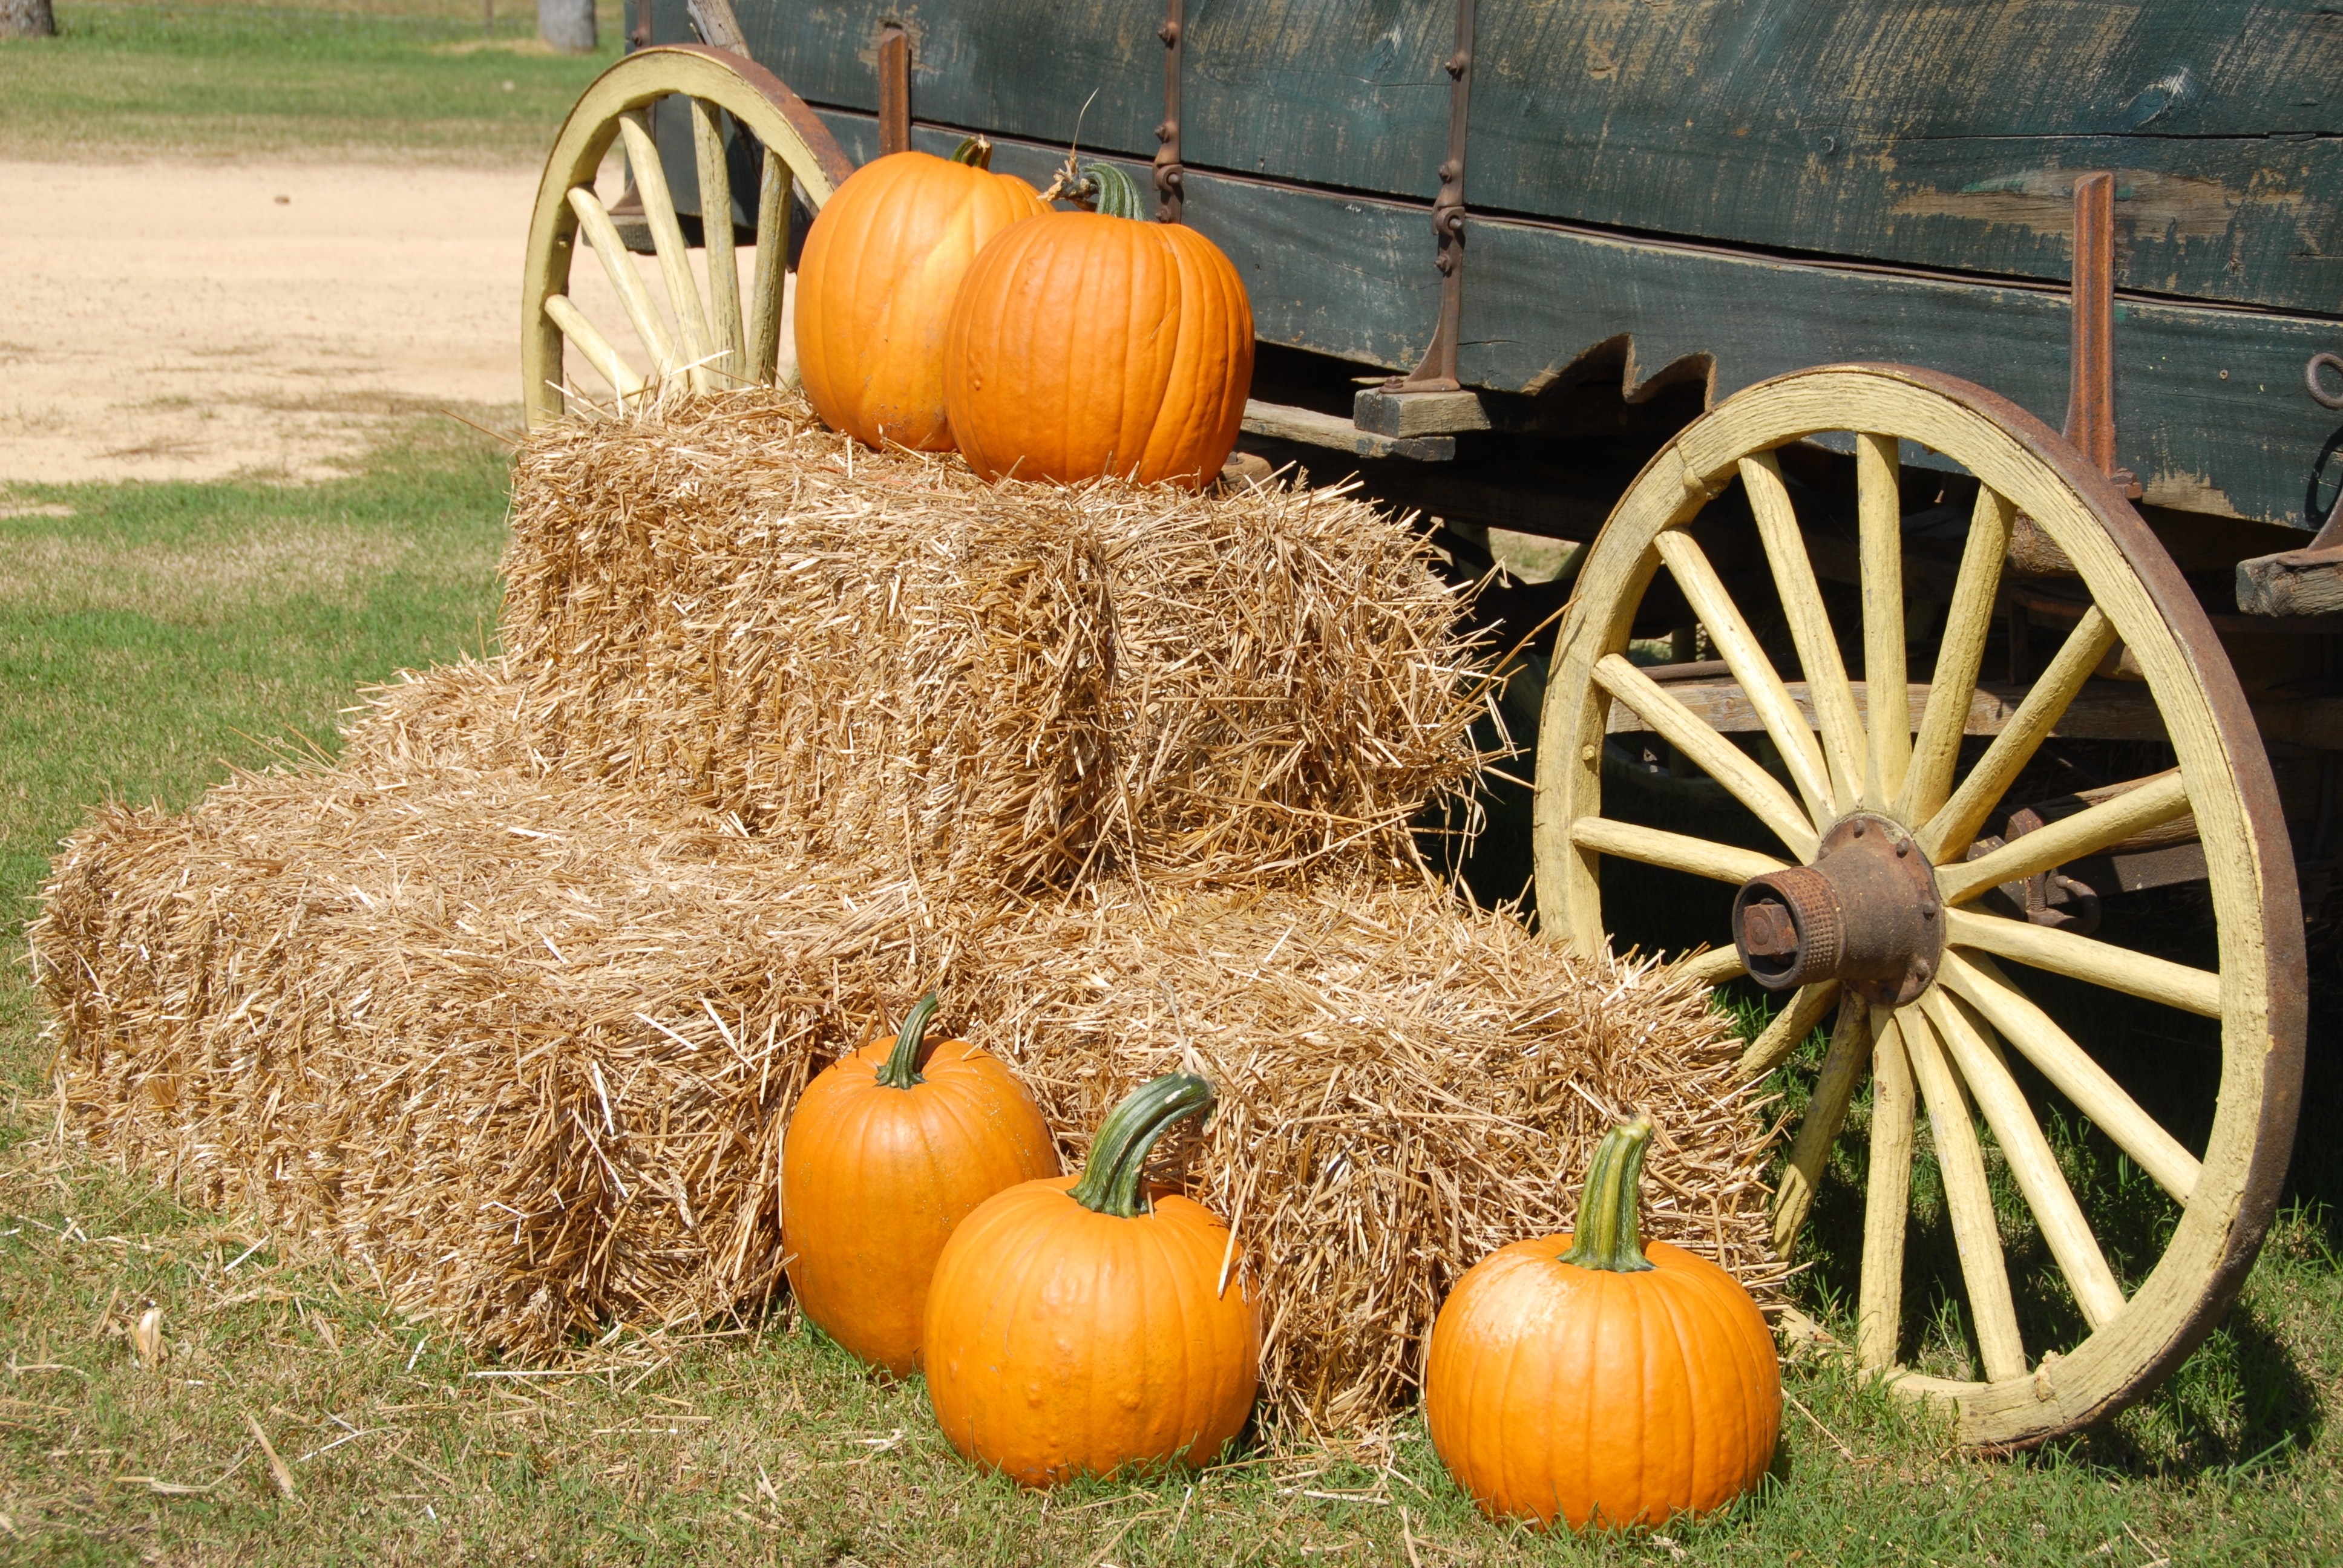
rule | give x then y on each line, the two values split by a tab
1926	400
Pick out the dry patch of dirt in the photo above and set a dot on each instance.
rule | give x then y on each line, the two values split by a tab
195	321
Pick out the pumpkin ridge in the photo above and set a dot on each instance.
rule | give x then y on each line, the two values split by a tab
1004	1312
1154	363
1701	1482
1169	429
1733	1311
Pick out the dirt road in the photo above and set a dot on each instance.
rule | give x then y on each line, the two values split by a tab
195	320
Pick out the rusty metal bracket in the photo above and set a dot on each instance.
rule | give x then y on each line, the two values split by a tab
2308	581
1437	371
2091	354
1171	176
894	89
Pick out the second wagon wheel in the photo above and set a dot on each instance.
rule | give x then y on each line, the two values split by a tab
711	340
1875	906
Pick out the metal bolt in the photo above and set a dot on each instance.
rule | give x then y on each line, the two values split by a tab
1902	849
1858	830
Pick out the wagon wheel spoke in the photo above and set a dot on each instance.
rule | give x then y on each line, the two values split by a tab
1834	1087
1709	751
1888	697
1887	1197
666	239
610	250
1968	621
1950	830
1671	852
1968	1199
1978	981
769	284
1763	686
1788	1028
2081	958
588	339
1714	966
725	330
2031	1162
2153	803
1810	625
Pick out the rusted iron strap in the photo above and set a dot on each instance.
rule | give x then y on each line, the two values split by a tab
894	89
1170	173
2091	353
1437	371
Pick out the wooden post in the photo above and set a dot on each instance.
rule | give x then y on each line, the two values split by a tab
894	89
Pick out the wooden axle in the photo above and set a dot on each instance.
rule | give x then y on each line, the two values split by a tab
2101	710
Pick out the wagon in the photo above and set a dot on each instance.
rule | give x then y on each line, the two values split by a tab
1919	408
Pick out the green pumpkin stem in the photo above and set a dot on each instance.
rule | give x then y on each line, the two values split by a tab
902	1068
1109	1181
1609	1236
1112	193
975	152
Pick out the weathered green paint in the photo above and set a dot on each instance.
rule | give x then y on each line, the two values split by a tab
1936	132
1352	276
1351	97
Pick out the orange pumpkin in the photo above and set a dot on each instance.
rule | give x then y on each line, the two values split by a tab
875	285
1076	1328
1593	1381
884	1156
1090	342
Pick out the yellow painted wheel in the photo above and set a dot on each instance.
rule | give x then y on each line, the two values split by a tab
1878	902
715	339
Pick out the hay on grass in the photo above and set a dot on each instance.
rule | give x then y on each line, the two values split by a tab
512	1002
526	1053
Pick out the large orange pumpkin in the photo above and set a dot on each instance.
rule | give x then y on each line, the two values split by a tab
884	1156
1076	1328
1090	342
875	287
1593	1380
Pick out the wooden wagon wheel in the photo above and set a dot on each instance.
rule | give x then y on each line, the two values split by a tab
707	340
1876	911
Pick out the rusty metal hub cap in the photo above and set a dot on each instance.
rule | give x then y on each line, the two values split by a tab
1866	913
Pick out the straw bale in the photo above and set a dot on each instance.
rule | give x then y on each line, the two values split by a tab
526	1049
991	687
511	1003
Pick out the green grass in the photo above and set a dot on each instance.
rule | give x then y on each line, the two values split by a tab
152	635
417	81
175	629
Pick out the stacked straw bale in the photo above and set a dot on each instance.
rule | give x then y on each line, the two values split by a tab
513	1002
1009	686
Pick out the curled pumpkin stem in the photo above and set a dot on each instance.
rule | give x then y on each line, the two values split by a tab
902	1068
1110	1181
1610	1235
1102	188
975	152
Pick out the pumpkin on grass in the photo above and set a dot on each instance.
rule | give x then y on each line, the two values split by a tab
1074	1327
1592	1380
1092	343
876	282
884	1156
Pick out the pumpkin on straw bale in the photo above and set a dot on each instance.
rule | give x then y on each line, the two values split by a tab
512	1003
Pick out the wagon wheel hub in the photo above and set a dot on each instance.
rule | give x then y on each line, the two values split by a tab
1866	913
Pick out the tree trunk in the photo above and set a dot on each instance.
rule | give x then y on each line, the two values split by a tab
567	25
27	19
